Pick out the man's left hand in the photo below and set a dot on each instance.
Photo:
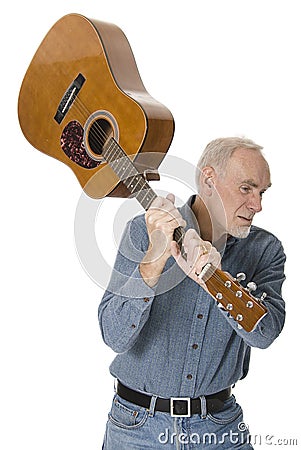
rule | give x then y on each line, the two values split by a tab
199	253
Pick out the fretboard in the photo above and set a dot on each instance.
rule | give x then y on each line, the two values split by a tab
122	165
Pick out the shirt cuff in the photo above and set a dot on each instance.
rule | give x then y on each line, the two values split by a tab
136	289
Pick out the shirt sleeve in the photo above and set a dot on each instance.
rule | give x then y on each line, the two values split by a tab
126	303
269	277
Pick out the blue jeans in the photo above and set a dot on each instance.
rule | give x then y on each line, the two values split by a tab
131	427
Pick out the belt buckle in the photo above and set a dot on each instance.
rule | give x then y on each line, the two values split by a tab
180	399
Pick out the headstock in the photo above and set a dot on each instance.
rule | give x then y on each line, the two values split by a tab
245	309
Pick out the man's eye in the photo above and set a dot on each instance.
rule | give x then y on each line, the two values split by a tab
245	189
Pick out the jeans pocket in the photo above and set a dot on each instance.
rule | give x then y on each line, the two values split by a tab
124	414
230	412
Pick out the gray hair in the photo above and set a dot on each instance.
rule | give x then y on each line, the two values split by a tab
219	151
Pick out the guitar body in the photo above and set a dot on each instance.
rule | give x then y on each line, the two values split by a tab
83	87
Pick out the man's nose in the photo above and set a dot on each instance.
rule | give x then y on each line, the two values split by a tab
254	203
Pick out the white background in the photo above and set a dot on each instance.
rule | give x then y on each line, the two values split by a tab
223	68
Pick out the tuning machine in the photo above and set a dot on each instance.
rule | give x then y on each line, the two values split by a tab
251	286
240	277
263	296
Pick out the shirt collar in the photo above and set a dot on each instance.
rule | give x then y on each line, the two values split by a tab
188	214
191	221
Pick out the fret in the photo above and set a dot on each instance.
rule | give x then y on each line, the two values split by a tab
123	169
119	161
122	165
134	183
146	197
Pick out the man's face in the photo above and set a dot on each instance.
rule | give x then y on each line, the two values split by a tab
246	178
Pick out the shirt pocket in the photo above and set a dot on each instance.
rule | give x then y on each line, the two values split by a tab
127	415
230	412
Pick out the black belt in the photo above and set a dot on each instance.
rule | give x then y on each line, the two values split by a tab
176	406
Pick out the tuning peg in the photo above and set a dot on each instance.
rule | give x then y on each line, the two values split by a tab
240	276
251	286
263	296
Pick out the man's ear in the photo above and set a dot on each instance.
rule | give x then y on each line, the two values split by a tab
208	176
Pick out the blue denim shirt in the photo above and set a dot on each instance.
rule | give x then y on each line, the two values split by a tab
173	339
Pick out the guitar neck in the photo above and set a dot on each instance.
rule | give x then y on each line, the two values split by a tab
122	165
135	182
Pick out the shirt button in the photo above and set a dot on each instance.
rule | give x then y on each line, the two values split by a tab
195	346
189	376
133	325
200	316
146	299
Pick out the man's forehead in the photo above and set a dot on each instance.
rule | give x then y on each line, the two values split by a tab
249	166
243	153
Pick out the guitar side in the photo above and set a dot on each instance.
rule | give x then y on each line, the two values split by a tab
111	92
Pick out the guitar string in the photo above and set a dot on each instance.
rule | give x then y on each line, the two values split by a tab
146	190
80	106
102	136
100	132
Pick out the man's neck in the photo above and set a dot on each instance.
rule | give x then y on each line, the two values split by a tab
208	230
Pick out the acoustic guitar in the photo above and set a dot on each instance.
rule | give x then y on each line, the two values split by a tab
83	78
83	102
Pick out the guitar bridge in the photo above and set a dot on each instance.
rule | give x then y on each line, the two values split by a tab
69	97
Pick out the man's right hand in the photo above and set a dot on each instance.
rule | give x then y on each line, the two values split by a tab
162	218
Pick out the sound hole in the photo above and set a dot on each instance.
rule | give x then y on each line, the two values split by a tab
100	131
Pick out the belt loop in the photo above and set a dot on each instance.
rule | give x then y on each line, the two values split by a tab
152	406
203	407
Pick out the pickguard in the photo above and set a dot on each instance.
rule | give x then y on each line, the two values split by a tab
72	143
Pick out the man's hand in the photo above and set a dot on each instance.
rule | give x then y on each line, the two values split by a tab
199	253
162	218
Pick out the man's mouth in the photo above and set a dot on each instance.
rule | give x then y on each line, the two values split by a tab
246	220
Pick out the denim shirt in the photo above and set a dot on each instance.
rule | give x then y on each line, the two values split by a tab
173	340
